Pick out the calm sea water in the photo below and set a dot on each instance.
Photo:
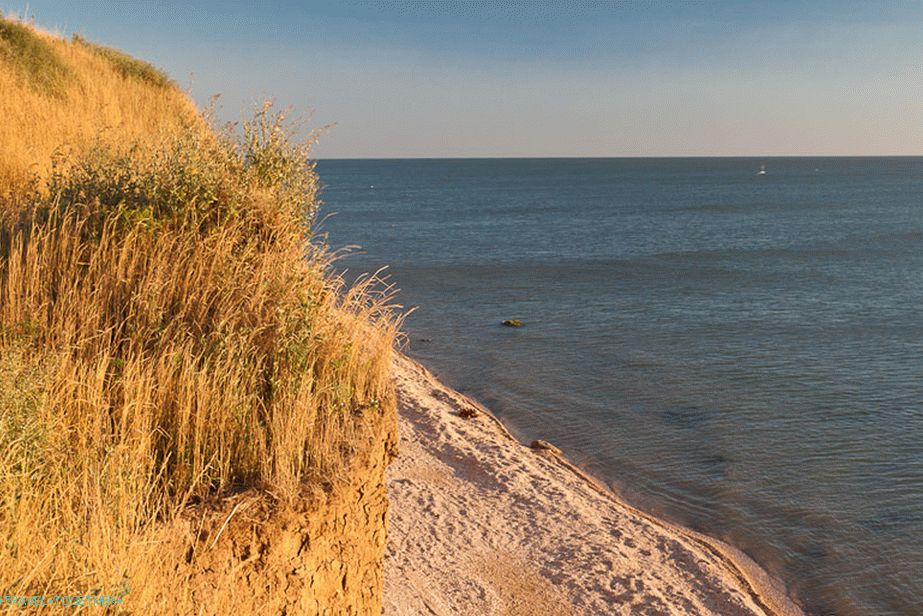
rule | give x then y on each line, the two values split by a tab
740	353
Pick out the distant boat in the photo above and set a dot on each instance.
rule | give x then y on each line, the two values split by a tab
762	170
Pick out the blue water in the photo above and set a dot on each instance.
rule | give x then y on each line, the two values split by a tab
742	354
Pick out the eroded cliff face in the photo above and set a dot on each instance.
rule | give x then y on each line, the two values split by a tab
250	554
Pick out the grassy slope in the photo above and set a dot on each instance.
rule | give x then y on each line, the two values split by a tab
168	332
59	94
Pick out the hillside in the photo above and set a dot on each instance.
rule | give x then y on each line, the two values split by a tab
195	414
60	95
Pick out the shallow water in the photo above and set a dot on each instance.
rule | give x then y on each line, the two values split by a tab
740	353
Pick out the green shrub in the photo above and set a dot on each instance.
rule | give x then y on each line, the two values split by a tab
193	180
275	160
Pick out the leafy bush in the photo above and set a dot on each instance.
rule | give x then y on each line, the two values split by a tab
194	179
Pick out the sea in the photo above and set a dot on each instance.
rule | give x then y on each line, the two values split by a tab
740	353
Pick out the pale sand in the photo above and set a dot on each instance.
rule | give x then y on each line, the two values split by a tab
480	524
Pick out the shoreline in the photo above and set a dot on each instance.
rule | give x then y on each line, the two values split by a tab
482	523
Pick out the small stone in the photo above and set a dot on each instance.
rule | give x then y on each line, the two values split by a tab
541	445
513	323
467	413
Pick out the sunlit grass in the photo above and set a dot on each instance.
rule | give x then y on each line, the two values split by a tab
168	330
127	66
58	95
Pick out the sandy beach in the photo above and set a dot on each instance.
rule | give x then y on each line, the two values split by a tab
482	524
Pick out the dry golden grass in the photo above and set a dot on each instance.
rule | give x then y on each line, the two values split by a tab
168	331
63	94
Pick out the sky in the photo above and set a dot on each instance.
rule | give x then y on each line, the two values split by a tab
541	78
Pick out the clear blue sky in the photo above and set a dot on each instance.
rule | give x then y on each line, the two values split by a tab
540	78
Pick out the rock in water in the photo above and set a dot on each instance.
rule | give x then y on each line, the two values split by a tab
513	323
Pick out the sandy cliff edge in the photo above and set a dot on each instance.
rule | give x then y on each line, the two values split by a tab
482	524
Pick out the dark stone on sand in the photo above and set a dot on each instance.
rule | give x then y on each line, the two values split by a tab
467	413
